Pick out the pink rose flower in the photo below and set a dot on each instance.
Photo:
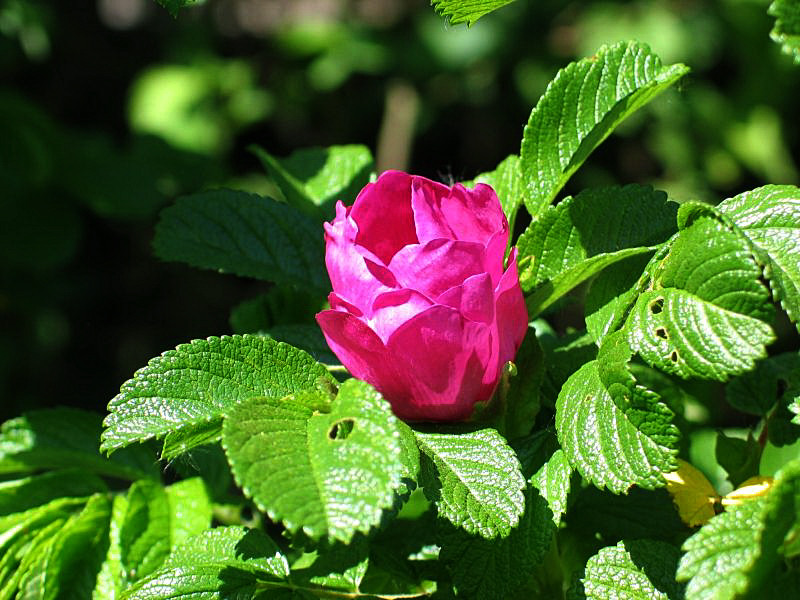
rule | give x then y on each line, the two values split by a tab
422	307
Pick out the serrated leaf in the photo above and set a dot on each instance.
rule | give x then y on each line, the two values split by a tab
706	316
66	437
19	495
614	432
330	473
640	569
592	230
580	108
190	509
474	478
506	180
787	26
489	569
553	482
313	179
244	234
466	11
71	559
770	218
200	582
740	550
757	391
188	390
144	535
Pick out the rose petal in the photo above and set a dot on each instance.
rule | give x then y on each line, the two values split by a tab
438	265
382	213
457	213
339	303
512	314
350	274
474	298
391	309
360	350
442	373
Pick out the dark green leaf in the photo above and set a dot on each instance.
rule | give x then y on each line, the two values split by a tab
313	179
580	108
330	473
756	392
187	391
739	457
66	437
523	399
173	6
19	495
244	234
787	26
475	480
144	534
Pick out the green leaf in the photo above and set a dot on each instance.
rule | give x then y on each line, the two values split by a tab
553	482
330	473
110	578
313	179
507	182
336	566
71	558
466	11
615	432
474	478
200	582
705	316
244	234
523	399
144	534
588	232
66	437
498	568
19	495
739	551
26	556
563	356
191	388
739	457
190	509
173	6
278	306
580	108
756	392
770	219
305	337
787	26
632	569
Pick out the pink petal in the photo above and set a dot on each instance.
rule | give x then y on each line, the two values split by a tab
351	276
457	213
340	304
512	314
391	309
439	366
382	213
474	298
360	350
438	265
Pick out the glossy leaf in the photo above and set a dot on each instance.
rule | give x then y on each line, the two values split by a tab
466	11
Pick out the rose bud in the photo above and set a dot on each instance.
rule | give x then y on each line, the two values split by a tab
422	307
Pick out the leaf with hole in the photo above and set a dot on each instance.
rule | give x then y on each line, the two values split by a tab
580	108
186	392
330	474
474	478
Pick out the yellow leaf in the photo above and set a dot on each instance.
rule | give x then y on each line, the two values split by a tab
752	488
692	493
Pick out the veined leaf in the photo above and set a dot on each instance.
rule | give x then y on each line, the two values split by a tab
770	218
474	478
787	26
499	568
757	391
190	509
19	495
330	473
737	552
613	431
506	180
466	11
580	108
313	179
188	390
144	534
705	316
244	234
553	482
631	569
67	438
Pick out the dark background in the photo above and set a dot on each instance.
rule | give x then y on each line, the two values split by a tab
111	109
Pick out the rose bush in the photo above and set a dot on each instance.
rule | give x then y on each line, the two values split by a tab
422	307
